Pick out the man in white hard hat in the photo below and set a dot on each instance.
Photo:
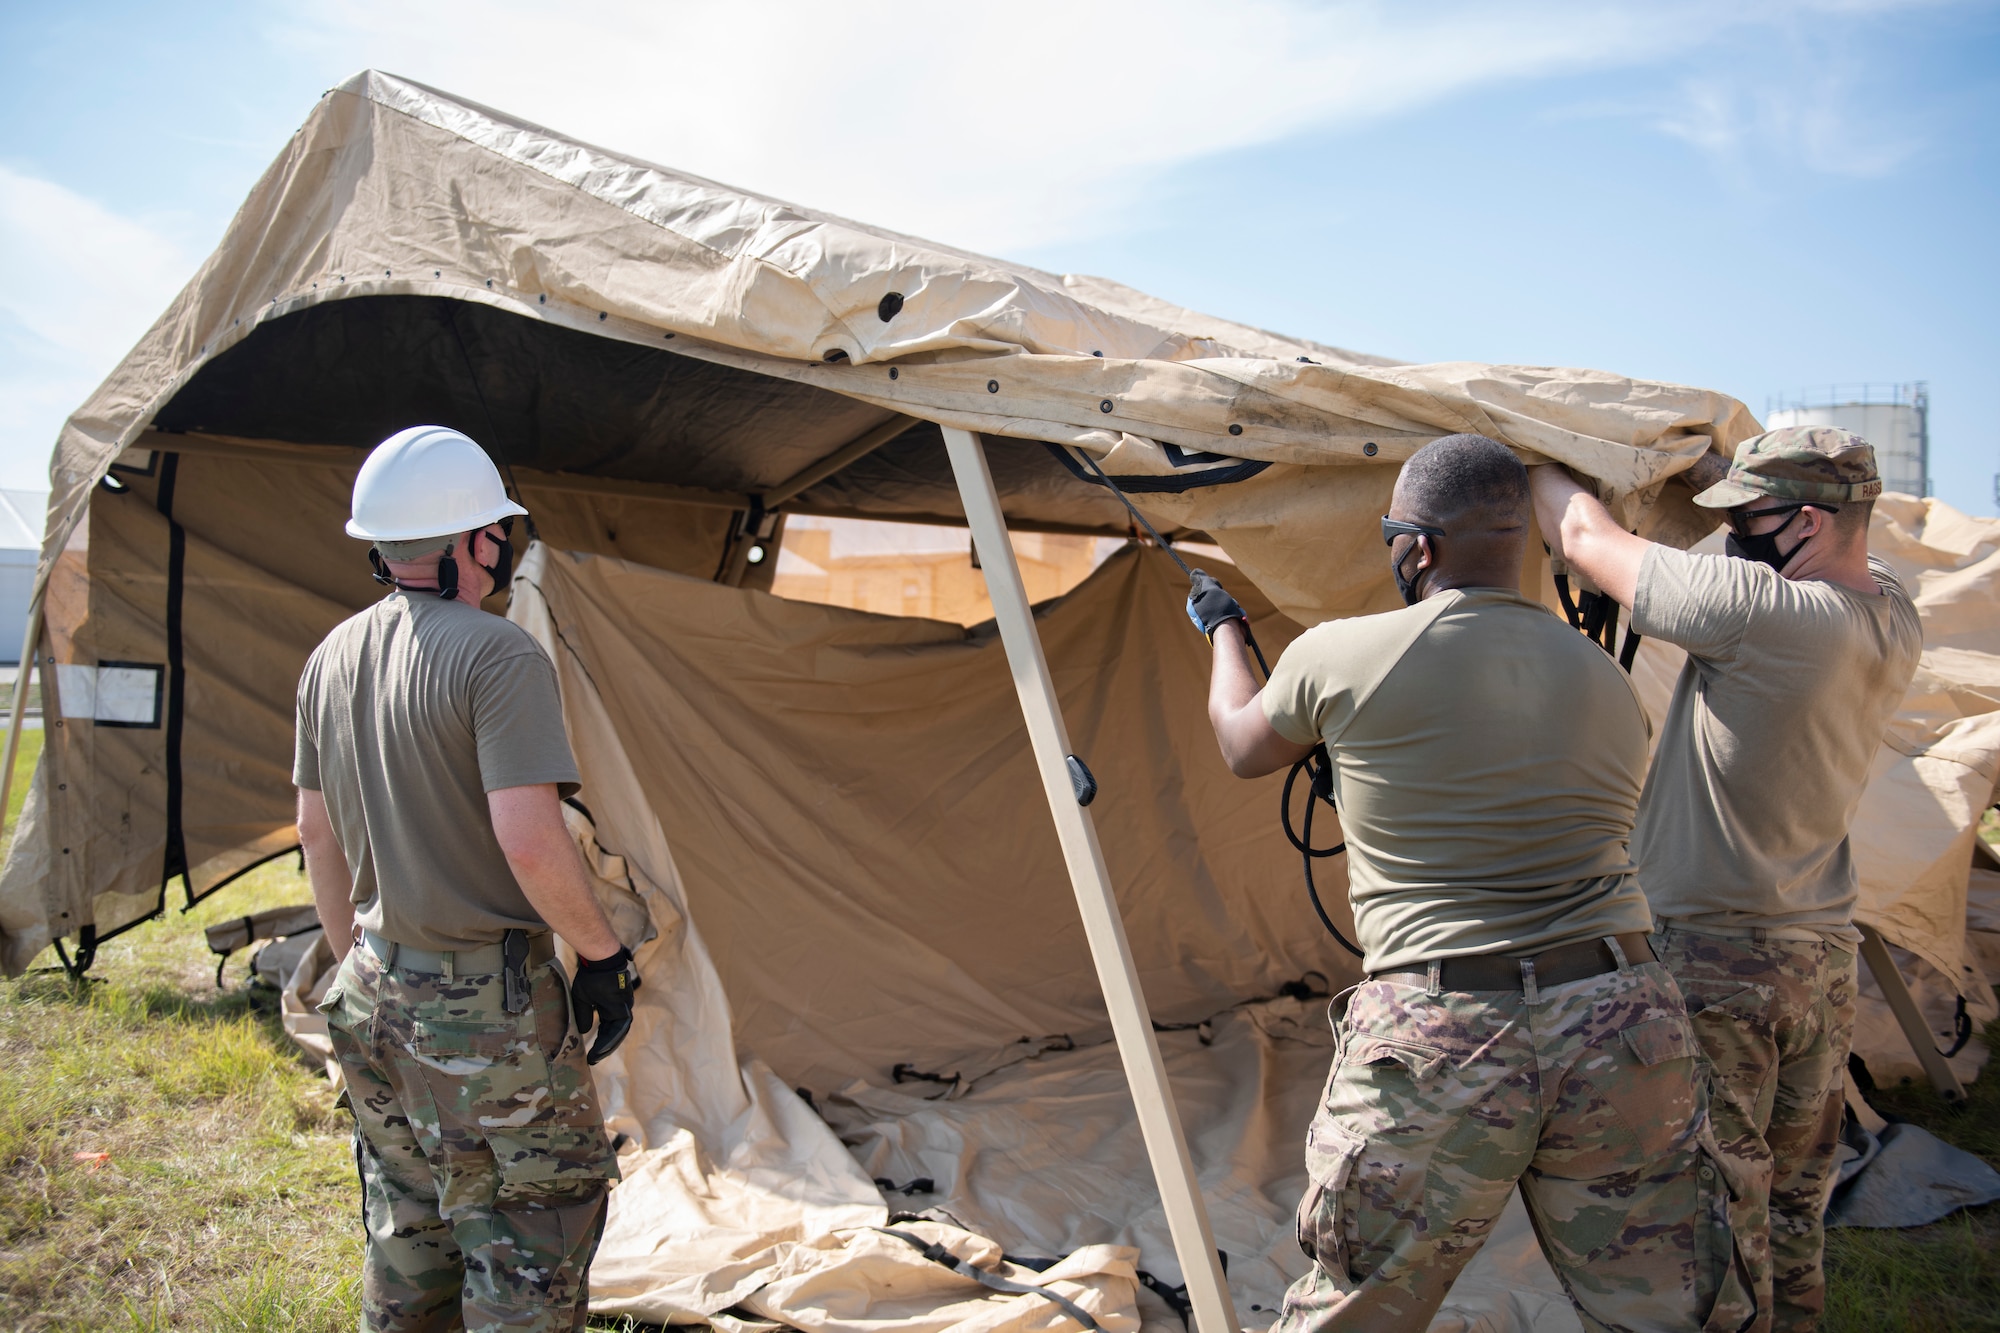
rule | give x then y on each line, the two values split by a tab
1799	648
431	760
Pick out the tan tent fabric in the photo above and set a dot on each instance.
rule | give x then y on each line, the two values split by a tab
845	795
736	1194
841	807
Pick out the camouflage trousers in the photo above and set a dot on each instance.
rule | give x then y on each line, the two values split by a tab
1775	1021
1587	1095
484	1166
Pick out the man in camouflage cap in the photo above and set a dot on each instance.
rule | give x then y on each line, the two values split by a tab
1800	648
1515	1030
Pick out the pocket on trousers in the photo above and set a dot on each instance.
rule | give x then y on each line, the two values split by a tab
1723	1272
1659	1039
465	1049
1326	1222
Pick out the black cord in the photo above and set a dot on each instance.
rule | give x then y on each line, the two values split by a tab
1322	772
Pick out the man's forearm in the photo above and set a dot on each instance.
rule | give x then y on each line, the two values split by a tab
528	823
1231	683
553	881
1582	532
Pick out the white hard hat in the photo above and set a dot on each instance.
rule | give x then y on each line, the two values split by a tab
427	481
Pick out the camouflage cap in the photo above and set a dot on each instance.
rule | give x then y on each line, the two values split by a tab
1820	463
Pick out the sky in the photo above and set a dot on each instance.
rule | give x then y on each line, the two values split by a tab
1764	199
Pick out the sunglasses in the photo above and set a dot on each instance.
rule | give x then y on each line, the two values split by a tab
1741	519
1393	528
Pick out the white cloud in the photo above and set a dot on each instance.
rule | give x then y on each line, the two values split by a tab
78	284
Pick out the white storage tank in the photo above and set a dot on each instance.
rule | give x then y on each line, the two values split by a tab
1895	418
22	514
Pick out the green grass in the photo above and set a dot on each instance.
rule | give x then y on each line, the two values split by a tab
226	1198
1945	1276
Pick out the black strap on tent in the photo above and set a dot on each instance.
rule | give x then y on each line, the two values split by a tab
1961	1026
174	860
938	1254
1317	763
1596	617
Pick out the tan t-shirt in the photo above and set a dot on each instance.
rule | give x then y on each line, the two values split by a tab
1774	723
1487	762
409	713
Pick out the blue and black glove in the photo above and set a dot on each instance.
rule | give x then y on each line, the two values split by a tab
603	989
1210	606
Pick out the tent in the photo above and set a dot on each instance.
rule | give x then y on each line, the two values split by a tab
878	982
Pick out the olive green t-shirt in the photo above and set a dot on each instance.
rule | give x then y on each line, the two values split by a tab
1487	763
409	713
1775	720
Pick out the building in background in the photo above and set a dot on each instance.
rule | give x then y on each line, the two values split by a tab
21	517
915	569
1895	418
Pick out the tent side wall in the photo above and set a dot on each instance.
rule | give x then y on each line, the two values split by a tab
209	580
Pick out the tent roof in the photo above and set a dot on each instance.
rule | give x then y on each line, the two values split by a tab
411	256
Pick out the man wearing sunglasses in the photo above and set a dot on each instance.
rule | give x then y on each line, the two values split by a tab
1800	648
1514	1028
430	761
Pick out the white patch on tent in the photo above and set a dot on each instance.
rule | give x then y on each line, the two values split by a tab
118	694
519	1118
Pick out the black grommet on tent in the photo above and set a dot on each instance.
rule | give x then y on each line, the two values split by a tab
889	307
489	282
894	373
993	386
1369	448
1308	360
1235	429
1097	354
1104	406
543	299
602	315
833	355
669	334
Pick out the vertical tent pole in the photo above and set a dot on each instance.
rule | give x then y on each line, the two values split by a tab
30	649
1166	1144
1909	1017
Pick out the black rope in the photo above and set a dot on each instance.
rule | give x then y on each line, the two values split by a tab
1317	763
1140	519
938	1254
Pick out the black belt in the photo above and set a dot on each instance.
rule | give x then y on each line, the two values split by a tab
1552	967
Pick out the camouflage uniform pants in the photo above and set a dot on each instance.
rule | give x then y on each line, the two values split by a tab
484	1166
1587	1095
1775	1020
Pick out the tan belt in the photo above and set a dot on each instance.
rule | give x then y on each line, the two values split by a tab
482	961
1552	967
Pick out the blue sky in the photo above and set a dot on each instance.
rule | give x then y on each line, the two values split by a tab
1756	198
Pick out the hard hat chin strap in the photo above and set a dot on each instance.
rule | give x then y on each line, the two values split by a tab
447	573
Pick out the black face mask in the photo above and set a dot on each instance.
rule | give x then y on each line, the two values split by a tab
1407	587
1763	547
502	567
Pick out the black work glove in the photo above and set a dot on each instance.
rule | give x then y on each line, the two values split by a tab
603	989
1210	606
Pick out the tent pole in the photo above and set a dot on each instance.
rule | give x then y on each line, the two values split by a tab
30	652
1907	1015
1159	1122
